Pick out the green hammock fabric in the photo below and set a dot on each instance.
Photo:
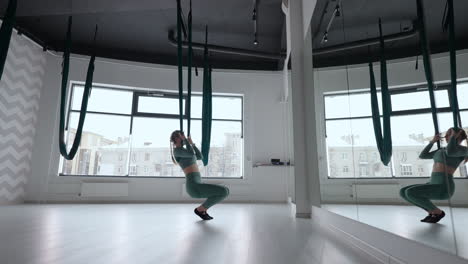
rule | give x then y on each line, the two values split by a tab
427	64
384	142
453	66
179	64
189	71
84	101
207	104
5	33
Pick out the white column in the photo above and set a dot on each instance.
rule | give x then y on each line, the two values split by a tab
312	137
307	185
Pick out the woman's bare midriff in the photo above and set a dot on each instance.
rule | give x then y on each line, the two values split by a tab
191	168
441	167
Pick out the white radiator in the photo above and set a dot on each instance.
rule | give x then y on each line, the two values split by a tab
373	191
104	189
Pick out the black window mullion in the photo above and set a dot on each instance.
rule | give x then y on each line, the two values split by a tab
137	95
153	115
242	117
135	103
69	108
420	111
101	113
399	113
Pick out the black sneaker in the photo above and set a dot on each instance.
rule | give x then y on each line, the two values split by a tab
202	215
426	220
436	217
208	215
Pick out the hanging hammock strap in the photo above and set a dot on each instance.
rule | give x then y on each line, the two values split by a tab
450	24
427	64
207	103
5	33
179	64
84	101
384	142
189	70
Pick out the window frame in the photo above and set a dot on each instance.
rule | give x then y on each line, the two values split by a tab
136	94
445	86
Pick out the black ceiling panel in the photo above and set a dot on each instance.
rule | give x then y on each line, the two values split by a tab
137	30
359	20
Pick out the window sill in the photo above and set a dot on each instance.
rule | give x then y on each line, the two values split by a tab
387	178
271	165
146	177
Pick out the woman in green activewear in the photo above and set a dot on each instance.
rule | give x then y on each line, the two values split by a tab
441	185
187	159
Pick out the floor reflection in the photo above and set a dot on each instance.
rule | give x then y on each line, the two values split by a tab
404	221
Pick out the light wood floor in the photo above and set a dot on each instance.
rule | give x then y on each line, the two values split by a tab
165	234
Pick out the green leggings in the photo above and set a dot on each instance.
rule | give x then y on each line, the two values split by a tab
196	189
441	187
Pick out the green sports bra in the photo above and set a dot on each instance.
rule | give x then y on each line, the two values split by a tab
187	156
452	156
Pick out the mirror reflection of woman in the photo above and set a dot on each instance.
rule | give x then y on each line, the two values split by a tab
187	159
441	185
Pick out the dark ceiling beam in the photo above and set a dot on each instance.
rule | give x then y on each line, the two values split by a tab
365	42
227	50
65	7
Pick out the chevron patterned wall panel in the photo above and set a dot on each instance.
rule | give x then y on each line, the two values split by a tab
20	89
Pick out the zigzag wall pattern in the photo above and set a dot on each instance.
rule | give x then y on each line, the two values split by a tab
20	89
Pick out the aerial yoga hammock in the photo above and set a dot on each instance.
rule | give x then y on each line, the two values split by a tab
5	33
441	185
84	101
207	103
207	87
189	72
179	66
384	142
450	25
187	157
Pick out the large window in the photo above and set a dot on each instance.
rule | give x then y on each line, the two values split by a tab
126	133
349	131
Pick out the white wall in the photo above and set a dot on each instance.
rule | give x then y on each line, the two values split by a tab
263	130
400	72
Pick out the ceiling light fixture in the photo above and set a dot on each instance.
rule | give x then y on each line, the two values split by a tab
325	38
254	19
337	10
336	13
